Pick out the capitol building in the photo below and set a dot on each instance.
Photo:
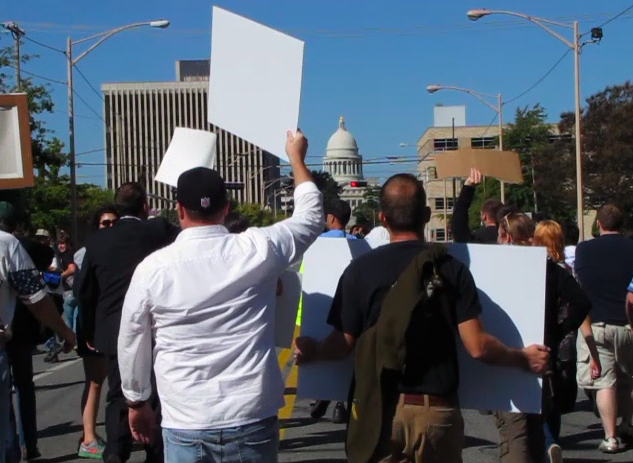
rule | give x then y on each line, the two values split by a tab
344	163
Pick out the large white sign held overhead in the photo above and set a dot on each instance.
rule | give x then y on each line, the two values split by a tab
187	150
255	81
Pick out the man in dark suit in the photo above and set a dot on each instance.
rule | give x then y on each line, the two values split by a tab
112	255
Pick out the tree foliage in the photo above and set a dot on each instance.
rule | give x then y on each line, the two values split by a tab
47	204
327	185
367	212
548	169
607	137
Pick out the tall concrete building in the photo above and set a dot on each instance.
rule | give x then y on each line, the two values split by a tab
140	118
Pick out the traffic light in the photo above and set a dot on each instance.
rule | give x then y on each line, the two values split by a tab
357	184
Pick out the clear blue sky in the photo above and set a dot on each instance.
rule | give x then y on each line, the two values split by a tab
369	60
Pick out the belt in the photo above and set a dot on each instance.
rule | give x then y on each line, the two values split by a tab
428	400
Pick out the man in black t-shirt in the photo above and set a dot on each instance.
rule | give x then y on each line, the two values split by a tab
66	259
428	425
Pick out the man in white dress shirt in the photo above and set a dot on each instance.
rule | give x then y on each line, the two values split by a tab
205	306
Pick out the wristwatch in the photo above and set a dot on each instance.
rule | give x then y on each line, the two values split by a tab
135	405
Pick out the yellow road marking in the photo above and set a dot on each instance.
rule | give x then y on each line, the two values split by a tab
291	383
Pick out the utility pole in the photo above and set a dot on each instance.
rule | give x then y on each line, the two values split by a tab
17	34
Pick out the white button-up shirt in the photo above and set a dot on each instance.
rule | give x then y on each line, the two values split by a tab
208	299
18	278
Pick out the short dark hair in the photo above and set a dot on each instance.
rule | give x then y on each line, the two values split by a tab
236	222
610	217
505	210
130	199
199	216
571	233
491	208
403	203
340	209
107	209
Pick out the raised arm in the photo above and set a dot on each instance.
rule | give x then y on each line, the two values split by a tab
292	237
459	221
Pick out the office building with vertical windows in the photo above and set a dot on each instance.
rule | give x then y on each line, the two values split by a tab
140	118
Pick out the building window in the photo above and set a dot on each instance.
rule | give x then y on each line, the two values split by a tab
439	203
431	173
444	144
483	143
440	234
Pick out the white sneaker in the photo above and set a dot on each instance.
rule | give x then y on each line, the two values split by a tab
610	445
555	453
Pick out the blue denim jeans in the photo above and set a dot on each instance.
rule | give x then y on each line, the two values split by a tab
253	443
5	405
70	310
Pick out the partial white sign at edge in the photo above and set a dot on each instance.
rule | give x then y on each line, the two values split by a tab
512	277
255	81
187	150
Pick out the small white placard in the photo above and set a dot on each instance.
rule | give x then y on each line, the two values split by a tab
187	150
10	145
255	81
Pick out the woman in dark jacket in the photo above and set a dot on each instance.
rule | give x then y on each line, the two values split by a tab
562	294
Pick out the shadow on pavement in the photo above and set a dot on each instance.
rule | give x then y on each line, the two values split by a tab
582	441
470	441
311	440
61	459
296	422
50	387
62	429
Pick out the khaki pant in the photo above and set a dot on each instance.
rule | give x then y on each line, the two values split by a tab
521	438
426	434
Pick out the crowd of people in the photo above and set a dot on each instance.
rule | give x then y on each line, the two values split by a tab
180	320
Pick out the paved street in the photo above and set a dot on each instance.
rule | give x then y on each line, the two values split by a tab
59	389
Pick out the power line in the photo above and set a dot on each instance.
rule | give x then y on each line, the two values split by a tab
620	14
560	60
88	106
44	45
89	84
37	75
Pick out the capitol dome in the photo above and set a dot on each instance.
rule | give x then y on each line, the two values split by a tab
342	160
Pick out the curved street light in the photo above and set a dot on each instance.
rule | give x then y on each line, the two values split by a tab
575	46
102	37
498	108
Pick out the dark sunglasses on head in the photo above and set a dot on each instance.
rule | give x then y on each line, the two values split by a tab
107	223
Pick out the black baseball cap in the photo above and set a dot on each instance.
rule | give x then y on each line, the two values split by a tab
201	189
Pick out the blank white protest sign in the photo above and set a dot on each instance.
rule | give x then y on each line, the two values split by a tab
323	265
255	81
511	285
187	150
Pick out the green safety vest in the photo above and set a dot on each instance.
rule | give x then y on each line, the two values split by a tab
298	321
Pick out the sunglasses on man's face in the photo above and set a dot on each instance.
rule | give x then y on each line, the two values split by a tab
106	223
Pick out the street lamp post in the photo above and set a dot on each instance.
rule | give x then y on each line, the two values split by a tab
498	108
103	36
575	46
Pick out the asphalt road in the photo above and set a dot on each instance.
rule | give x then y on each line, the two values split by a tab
59	388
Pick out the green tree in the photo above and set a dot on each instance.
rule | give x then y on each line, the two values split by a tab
257	215
47	204
546	169
367	212
607	136
327	185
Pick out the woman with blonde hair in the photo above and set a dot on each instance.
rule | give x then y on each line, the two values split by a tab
562	292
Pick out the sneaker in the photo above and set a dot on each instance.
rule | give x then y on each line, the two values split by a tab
92	450
610	445
340	414
555	453
51	357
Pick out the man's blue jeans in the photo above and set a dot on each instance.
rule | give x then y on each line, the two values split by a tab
253	443
70	310
5	403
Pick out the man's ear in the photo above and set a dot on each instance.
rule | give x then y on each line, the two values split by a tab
383	220
426	215
181	212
